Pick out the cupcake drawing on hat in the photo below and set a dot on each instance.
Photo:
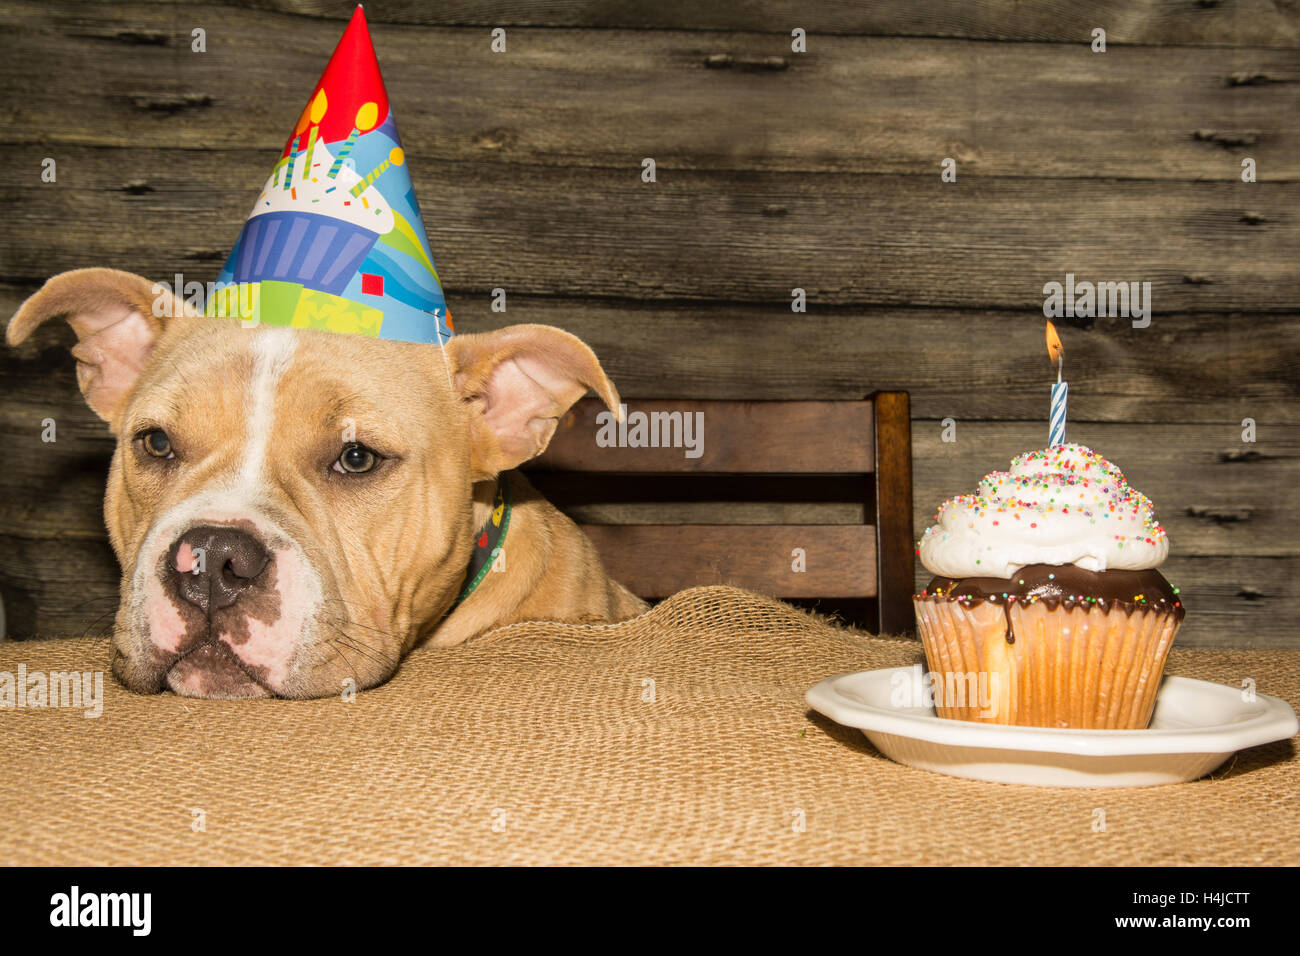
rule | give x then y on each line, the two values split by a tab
316	216
335	240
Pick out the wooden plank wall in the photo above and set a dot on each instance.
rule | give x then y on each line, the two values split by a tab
776	170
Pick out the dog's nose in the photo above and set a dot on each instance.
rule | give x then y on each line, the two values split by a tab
213	567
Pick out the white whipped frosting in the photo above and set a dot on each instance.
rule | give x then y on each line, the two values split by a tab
311	190
1062	505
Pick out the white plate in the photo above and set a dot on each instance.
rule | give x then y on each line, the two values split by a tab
1197	725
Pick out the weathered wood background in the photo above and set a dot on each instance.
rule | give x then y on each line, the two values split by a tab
776	170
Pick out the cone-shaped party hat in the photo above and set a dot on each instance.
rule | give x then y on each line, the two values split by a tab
335	240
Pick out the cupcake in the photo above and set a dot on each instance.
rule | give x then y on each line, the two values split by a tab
310	229
1046	608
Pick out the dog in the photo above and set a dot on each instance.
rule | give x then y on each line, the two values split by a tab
294	510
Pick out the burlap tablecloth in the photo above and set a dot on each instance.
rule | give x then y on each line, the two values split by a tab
536	744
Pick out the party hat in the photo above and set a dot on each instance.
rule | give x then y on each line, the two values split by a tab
335	240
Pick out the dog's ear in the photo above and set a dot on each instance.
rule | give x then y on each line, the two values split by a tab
518	381
117	324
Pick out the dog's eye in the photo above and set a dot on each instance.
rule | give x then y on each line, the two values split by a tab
157	444
356	459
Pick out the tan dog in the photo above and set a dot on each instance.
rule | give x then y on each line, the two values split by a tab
293	510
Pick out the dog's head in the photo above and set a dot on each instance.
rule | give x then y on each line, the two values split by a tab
292	509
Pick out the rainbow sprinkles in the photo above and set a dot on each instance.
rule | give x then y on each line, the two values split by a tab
1060	505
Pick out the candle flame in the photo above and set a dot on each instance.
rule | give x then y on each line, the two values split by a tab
367	116
318	107
1055	350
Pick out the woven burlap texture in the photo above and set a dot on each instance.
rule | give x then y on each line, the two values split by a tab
538	744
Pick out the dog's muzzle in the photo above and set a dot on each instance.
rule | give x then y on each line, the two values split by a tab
219	578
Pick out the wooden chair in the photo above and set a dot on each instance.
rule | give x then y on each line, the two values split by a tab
758	457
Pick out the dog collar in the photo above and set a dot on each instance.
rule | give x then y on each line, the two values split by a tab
489	541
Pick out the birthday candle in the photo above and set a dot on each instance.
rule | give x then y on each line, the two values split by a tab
395	158
319	106
1060	390
293	151
1056	429
362	186
343	152
367	116
311	148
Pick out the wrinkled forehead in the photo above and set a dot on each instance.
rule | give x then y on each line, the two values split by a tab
220	372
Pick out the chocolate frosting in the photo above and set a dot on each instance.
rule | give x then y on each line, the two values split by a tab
1063	585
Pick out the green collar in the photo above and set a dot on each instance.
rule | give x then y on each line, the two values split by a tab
489	540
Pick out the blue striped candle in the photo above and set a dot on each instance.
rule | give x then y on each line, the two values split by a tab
1056	424
293	156
343	153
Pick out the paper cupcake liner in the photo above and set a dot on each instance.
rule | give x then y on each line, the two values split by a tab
1077	667
316	251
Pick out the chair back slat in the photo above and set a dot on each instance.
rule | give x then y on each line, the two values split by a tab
851	457
654	561
722	437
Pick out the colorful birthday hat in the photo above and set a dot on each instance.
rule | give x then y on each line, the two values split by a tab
335	240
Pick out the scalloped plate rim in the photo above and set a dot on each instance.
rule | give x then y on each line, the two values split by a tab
1267	719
